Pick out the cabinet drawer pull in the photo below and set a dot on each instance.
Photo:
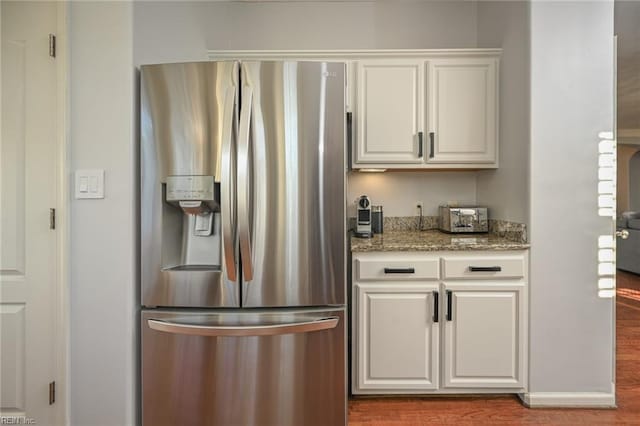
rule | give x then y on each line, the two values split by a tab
485	268
420	145
436	314
449	306
399	270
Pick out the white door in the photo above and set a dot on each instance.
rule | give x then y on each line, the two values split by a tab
463	112
484	335
389	114
397	337
27	192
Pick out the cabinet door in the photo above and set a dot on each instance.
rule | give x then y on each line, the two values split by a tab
463	111
484	335
397	338
389	115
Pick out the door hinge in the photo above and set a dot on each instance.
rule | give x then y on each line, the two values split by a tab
52	218
52	392
52	45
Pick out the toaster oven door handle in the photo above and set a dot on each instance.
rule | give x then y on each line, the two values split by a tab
399	270
485	268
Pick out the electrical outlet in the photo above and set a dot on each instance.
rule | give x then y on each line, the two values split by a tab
420	208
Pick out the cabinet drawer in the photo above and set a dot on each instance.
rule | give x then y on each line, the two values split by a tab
397	269
483	267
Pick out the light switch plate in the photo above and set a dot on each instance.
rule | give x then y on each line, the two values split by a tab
89	184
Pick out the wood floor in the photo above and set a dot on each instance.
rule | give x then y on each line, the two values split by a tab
508	410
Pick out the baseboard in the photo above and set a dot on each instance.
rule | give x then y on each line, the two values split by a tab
569	399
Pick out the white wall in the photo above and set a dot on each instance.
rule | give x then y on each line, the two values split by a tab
103	260
183	31
626	182
634	182
506	190
572	330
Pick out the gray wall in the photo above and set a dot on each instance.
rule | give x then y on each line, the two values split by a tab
179	31
103	258
506	190
572	330
399	192
104	50
174	32
627	27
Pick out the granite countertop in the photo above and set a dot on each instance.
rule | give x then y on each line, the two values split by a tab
433	240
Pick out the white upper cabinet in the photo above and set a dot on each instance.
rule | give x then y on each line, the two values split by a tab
463	114
413	109
390	111
438	110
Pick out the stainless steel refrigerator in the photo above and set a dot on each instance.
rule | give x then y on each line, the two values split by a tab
243	244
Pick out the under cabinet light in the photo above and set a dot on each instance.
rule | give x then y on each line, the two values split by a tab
370	170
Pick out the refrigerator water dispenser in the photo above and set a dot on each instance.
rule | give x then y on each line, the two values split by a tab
190	223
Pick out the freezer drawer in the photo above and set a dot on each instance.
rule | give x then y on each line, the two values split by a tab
284	367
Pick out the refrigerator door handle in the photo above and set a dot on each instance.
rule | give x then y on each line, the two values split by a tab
226	190
319	324
243	183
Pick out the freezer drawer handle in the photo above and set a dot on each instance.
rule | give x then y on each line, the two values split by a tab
245	331
485	268
399	270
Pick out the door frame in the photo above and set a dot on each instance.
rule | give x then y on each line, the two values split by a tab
63	204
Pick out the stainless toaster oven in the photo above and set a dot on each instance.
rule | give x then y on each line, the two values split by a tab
463	219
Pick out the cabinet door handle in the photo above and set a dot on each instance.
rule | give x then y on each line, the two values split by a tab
449	306
399	270
485	268
349	139
420	145
436	314
432	136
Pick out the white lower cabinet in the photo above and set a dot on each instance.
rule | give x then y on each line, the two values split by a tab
483	329
439	332
396	359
